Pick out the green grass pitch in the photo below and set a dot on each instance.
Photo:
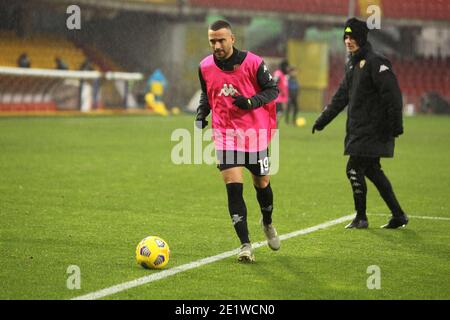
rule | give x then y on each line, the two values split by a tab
85	190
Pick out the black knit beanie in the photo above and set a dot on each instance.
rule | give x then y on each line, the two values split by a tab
356	29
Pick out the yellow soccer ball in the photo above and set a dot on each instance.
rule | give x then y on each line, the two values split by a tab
152	253
300	122
176	111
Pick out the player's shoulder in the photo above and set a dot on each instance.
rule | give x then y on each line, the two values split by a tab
253	57
377	59
207	61
247	52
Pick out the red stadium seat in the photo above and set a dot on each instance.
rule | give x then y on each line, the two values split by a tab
413	9
335	7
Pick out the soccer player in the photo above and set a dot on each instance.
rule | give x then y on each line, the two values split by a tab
280	77
294	90
371	92
238	89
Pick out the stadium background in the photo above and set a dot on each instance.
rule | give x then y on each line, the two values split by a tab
85	174
143	35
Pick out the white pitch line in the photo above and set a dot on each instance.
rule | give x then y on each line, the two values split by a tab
195	264
415	217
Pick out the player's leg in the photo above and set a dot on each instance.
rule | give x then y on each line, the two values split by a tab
258	165
264	195
295	105
236	205
288	111
279	109
382	183
355	174
233	179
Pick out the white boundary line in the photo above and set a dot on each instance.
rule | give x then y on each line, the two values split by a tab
415	217
195	264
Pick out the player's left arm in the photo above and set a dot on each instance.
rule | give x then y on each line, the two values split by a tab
387	86
269	90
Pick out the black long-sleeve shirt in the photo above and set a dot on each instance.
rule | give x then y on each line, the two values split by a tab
269	88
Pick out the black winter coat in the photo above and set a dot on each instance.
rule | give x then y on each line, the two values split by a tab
372	94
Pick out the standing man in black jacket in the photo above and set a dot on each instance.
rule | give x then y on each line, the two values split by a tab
371	92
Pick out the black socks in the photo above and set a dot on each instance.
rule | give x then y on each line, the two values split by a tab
265	200
238	210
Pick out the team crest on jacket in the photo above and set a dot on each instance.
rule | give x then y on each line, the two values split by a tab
362	63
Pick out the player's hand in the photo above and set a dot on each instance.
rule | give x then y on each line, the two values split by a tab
243	102
201	123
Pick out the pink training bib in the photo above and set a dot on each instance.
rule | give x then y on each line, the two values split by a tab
234	128
283	96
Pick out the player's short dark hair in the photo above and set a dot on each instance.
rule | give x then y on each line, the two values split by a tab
219	24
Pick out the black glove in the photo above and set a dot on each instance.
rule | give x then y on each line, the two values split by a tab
201	123
316	127
243	102
398	132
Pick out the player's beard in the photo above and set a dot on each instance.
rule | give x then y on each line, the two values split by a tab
220	54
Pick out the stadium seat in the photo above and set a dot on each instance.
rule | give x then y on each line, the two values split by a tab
41	50
412	9
417	9
336	7
416	77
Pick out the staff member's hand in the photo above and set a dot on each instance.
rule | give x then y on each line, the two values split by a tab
316	127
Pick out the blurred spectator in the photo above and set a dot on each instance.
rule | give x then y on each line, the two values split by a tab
23	61
433	102
60	64
156	84
280	78
294	89
86	65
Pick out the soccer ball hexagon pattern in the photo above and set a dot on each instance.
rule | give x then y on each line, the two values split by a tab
152	253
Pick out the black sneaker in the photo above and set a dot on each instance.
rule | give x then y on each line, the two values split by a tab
358	223
396	222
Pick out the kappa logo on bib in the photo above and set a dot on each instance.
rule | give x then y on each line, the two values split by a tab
228	90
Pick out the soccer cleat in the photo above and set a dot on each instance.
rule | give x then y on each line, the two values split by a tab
246	253
396	222
273	241
358	223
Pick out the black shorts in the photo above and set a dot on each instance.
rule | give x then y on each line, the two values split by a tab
256	162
